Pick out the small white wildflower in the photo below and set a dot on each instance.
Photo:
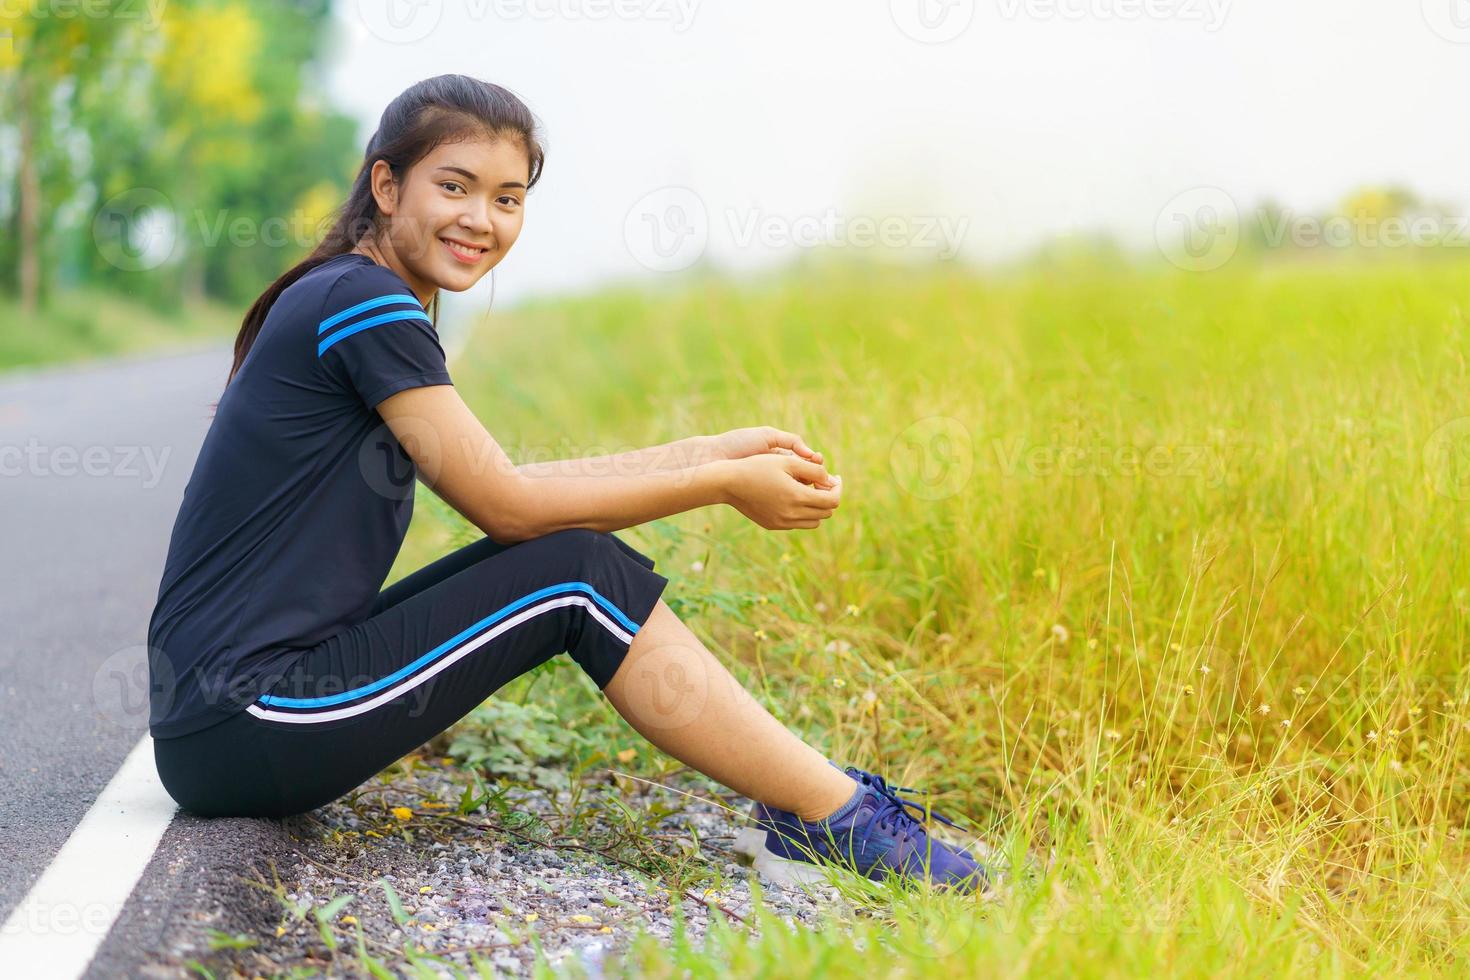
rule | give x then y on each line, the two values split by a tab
1061	633
696	566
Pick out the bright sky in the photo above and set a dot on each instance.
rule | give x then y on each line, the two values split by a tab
736	131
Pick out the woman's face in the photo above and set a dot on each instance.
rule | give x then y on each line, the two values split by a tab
457	213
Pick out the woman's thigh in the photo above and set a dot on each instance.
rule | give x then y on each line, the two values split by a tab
436	571
366	697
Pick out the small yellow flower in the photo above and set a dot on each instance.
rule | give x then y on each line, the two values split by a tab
427	926
852	610
1299	691
787	557
372	833
605	929
402	813
426	889
1038	573
583	918
349	920
627	755
1092	643
760	634
761	600
1175	647
1188	691
838	682
280	931
532	916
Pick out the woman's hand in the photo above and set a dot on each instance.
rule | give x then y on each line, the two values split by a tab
781	491
740	443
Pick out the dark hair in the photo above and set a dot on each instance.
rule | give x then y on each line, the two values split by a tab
436	110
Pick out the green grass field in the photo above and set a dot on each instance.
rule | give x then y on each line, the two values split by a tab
82	324
1163	571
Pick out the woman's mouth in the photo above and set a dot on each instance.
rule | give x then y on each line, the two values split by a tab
467	254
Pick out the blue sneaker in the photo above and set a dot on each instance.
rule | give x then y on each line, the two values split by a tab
873	833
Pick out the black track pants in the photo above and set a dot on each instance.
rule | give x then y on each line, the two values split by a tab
438	643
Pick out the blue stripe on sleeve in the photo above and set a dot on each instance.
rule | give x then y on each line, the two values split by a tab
372	321
376	301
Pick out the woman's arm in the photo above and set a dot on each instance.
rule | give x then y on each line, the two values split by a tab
461	462
681	454
678	455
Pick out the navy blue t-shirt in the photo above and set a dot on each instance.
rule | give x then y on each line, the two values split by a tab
300	497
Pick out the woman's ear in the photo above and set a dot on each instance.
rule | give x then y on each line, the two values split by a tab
385	188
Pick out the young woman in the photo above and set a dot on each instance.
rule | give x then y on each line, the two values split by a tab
282	678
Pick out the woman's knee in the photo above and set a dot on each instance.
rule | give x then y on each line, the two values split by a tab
575	546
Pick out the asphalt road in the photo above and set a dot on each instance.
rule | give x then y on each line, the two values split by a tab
93	463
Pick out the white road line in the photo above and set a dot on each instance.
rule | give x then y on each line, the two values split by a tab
56	930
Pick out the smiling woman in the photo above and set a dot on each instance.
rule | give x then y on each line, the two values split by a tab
455	216
439	198
281	676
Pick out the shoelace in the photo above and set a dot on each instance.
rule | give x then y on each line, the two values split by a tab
893	811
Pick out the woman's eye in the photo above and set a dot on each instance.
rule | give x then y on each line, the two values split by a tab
507	199
450	183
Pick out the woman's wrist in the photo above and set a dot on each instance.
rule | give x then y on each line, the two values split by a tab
706	449
717	475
